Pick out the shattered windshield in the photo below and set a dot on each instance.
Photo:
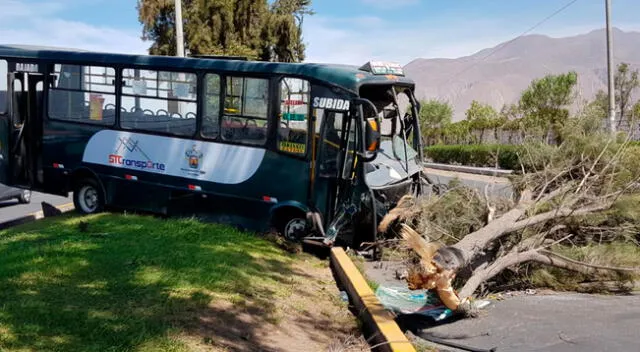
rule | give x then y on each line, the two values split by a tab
396	112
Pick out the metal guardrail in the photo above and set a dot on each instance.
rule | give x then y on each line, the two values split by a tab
487	171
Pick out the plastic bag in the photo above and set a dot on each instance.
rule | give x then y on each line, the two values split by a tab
401	300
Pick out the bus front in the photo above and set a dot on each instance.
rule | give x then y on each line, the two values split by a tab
385	161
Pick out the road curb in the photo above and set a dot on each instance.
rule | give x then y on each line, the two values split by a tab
470	169
379	322
65	208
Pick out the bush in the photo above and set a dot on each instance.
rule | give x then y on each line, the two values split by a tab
483	155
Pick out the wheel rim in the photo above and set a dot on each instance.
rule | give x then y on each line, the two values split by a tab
26	196
88	199
295	229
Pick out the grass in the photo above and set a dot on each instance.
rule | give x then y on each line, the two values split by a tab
127	283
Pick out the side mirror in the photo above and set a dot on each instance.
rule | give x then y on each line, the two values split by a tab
372	135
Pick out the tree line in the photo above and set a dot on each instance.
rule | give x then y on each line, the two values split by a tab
258	30
542	110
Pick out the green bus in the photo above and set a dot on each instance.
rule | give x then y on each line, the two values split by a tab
319	152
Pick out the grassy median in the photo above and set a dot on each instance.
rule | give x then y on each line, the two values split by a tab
133	283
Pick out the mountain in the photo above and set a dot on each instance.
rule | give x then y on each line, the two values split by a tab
497	76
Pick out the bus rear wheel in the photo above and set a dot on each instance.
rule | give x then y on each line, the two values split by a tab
25	197
87	197
295	229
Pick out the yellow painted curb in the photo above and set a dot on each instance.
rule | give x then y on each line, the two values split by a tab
63	208
387	335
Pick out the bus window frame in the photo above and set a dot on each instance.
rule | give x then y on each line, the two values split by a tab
158	69
269	141
311	118
50	70
4	105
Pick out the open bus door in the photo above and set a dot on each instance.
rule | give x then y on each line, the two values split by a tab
22	129
353	209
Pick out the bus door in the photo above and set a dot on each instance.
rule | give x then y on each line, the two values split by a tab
343	154
337	162
24	125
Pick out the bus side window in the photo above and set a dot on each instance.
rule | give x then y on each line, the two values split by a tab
83	94
293	128
211	116
246	104
159	101
3	86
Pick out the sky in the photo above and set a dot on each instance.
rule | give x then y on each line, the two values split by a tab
341	31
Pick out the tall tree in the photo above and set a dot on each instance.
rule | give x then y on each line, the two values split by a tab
251	28
434	113
285	35
625	82
545	102
482	117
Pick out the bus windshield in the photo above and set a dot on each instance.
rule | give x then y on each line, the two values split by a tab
396	109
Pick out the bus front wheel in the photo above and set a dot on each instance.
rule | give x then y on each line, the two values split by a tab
87	197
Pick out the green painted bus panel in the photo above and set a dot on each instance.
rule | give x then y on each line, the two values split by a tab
4	148
346	76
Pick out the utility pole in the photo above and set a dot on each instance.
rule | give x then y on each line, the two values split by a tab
179	34
612	98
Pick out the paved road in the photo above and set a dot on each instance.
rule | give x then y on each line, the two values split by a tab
555	323
563	322
496	186
10	210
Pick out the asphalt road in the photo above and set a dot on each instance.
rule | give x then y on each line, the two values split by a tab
10	210
498	187
557	322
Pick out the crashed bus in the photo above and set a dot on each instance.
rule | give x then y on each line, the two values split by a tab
317	151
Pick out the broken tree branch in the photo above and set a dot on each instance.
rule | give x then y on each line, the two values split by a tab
534	255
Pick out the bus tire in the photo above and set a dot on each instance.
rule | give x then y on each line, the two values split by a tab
291	223
25	197
88	197
295	229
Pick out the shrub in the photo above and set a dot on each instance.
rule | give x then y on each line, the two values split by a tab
483	155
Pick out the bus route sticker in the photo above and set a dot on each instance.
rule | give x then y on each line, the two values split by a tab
291	147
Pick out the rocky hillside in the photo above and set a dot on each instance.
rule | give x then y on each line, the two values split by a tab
498	76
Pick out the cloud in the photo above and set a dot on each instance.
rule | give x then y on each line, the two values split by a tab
40	23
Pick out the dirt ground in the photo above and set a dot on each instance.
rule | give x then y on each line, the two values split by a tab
310	316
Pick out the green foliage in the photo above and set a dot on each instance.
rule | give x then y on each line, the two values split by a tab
455	214
541	110
434	114
625	83
482	155
544	103
228	27
128	283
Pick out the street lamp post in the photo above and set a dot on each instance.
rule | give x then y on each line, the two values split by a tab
179	34
612	100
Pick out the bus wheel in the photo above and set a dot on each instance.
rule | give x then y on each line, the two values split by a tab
25	197
87	197
295	229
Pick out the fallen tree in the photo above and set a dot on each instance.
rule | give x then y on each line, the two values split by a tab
586	174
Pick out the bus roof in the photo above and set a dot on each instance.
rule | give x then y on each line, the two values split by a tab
345	76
